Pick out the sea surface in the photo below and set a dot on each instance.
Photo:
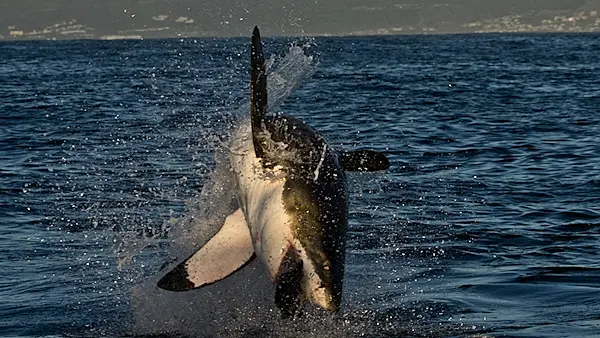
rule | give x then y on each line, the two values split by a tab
486	225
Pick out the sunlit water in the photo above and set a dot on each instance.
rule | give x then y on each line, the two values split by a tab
487	223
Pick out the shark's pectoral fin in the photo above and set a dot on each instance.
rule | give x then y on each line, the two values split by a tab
363	160
229	250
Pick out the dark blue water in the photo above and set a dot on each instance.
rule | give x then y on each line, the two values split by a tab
486	225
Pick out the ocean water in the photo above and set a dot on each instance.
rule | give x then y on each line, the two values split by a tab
486	225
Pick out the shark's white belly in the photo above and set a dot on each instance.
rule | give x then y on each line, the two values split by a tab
260	196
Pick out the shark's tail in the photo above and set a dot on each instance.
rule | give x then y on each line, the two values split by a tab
258	91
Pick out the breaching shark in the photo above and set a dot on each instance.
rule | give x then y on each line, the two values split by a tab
293	207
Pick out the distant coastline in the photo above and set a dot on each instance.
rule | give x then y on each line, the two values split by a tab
140	38
415	19
351	34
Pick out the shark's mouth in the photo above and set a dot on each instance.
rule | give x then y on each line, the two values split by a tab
288	292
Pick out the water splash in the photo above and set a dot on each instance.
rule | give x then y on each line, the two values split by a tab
243	300
242	304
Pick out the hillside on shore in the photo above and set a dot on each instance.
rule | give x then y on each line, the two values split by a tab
113	19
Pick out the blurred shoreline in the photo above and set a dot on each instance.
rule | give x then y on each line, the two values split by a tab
112	20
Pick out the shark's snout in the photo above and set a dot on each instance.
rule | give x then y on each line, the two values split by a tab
325	298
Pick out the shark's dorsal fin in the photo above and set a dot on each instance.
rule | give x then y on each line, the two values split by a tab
258	92
363	160
229	250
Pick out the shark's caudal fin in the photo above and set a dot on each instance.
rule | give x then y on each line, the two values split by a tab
229	250
258	91
363	160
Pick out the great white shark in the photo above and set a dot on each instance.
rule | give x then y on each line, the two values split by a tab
293	207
